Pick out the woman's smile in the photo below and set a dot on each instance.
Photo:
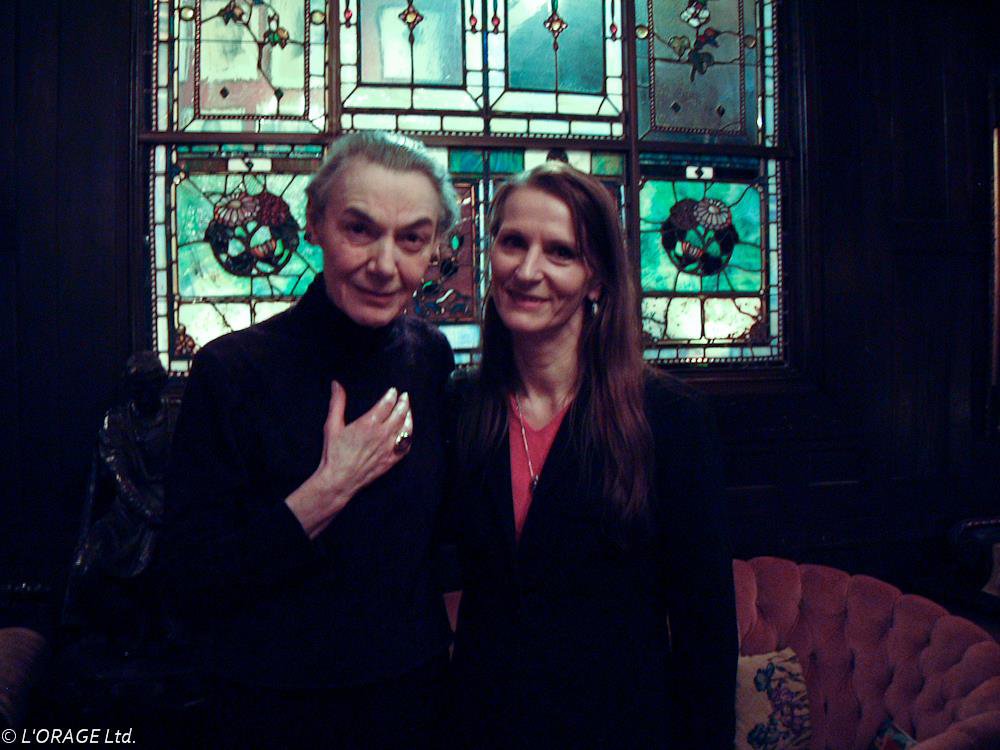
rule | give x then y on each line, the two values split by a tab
540	278
527	301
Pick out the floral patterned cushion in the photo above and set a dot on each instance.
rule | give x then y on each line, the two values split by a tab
772	709
891	737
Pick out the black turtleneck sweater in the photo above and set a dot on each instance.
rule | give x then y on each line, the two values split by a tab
269	606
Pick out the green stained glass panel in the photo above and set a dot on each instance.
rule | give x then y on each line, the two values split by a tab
465	161
506	161
451	67
231	66
408	61
612	165
708	267
242	233
209	320
696	234
700	66
537	65
464	340
229	243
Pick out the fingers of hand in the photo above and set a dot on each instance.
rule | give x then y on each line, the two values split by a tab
394	422
383	407
333	427
402	437
335	414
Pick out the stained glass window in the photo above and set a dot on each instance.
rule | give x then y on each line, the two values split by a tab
518	67
240	66
245	94
708	222
453	289
706	71
228	239
710	265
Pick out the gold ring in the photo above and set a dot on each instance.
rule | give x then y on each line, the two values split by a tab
403	440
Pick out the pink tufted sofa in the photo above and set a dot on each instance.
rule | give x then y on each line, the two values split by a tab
870	653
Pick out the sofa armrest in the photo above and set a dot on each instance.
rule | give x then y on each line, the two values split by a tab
21	651
980	732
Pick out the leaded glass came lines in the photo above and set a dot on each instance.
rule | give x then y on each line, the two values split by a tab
535	69
240	66
706	71
708	267
238	87
230	247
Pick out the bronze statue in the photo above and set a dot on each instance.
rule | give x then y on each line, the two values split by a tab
124	504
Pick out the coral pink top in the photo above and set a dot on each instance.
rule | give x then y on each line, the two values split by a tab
539	443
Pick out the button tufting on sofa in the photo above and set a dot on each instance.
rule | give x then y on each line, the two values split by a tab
885	655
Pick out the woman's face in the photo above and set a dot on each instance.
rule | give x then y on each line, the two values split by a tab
539	278
378	232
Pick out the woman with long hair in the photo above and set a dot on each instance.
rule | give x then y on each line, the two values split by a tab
597	608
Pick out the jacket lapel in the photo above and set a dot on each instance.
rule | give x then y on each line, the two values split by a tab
500	501
556	487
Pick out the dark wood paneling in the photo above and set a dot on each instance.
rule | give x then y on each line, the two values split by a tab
883	447
71	325
10	392
919	128
35	243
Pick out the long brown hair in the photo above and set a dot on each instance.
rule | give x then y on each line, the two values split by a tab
607	413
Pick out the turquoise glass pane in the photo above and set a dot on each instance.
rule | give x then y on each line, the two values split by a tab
608	164
226	66
534	62
699	65
506	161
699	236
465	161
708	269
435	56
715	161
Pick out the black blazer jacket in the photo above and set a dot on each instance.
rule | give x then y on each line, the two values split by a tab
585	634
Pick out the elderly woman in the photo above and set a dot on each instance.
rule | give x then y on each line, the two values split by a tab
306	478
598	599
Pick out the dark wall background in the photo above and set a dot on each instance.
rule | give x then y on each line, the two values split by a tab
860	454
64	302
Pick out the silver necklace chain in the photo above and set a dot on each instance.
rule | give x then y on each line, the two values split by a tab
524	439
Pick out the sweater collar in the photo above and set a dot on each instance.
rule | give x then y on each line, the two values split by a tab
328	321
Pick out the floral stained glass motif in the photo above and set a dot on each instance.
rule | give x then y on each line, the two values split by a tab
240	66
709	267
433	66
228	240
706	71
451	292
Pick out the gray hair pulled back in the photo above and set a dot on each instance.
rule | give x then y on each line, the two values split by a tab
390	150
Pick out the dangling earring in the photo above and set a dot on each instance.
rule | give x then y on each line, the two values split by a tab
594	307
